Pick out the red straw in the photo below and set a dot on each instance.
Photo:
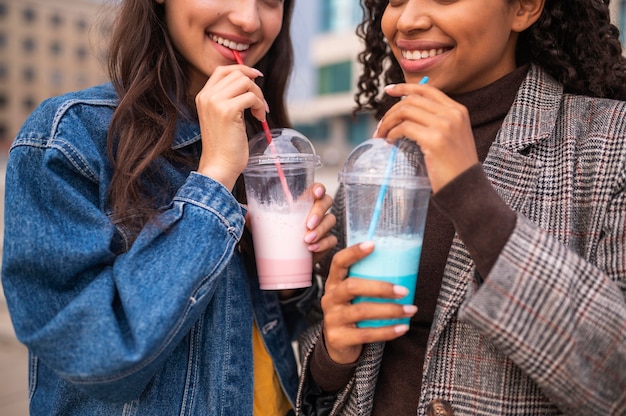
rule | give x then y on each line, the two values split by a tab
268	136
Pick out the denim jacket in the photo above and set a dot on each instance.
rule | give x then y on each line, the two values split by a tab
161	328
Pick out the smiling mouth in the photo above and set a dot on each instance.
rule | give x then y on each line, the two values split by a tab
417	55
229	43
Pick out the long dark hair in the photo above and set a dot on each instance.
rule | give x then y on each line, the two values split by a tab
149	77
574	41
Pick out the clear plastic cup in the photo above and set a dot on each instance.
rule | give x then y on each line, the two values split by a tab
277	217
398	232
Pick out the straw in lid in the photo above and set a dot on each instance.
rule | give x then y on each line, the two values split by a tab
288	146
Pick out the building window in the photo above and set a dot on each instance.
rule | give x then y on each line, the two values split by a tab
358	128
81	53
29	104
316	132
28	74
56	20
81	25
29	15
335	78
339	15
29	45
4	131
56	48
56	78
82	80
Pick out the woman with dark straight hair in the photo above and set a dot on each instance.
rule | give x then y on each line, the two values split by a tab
520	305
127	266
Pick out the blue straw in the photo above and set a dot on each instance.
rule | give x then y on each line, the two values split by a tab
383	187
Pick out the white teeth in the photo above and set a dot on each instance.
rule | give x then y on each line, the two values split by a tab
417	55
230	44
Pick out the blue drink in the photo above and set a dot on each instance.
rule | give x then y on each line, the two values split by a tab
386	191
393	260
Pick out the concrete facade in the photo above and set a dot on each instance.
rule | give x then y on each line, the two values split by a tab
47	47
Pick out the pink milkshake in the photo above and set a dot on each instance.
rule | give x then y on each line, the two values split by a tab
278	181
282	258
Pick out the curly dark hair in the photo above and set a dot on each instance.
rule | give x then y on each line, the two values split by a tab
574	41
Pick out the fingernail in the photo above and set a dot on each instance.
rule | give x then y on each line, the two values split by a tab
409	309
319	192
259	72
267	107
310	237
401	329
366	245
313	247
400	290
389	86
313	222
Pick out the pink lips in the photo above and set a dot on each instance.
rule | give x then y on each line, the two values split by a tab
420	65
414	45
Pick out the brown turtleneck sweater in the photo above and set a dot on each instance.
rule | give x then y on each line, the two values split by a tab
469	205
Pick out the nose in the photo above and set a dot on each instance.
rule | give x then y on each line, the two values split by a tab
245	15
414	17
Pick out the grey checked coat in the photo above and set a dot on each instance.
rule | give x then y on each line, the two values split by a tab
545	333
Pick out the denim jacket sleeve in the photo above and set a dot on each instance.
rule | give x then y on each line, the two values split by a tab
102	321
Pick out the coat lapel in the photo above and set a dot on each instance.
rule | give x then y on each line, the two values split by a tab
513	172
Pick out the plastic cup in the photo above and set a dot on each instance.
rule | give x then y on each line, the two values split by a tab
278	220
400	228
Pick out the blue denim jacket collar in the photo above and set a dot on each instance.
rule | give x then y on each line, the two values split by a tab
187	133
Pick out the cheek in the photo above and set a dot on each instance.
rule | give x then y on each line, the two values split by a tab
387	26
271	29
274	26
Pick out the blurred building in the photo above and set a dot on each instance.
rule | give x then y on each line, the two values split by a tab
47	47
321	94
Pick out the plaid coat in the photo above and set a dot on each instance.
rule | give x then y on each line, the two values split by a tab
545	332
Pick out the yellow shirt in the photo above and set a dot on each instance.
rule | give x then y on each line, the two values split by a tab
269	398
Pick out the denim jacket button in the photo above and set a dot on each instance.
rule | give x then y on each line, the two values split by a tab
439	407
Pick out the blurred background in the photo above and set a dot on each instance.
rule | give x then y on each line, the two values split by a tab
49	47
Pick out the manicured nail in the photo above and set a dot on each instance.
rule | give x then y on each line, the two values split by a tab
400	290
366	245
267	107
259	72
310	237
389	86
313	247
313	222
319	192
409	309
401	329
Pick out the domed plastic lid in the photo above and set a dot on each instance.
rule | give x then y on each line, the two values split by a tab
369	163
288	146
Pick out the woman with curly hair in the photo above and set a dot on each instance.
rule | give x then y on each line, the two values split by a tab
127	266
520	306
